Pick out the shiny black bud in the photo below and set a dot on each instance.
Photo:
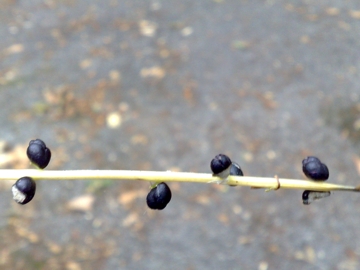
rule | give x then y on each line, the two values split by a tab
38	153
159	197
314	169
23	190
220	165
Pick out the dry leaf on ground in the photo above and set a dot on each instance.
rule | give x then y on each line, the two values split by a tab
82	203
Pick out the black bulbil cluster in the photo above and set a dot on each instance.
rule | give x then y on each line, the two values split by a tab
315	170
222	166
160	195
24	188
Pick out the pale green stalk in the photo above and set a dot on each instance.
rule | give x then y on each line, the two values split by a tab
269	183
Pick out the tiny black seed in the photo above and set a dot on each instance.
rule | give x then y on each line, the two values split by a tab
314	169
220	163
159	197
38	153
25	186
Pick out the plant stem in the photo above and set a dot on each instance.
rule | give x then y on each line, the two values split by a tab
270	183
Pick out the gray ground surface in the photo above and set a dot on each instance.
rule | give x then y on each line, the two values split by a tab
266	82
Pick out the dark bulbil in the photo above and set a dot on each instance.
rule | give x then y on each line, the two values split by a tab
220	164
38	153
159	197
236	170
314	169
24	190
309	196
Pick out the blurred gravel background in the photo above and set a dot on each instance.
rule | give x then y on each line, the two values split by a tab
167	85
